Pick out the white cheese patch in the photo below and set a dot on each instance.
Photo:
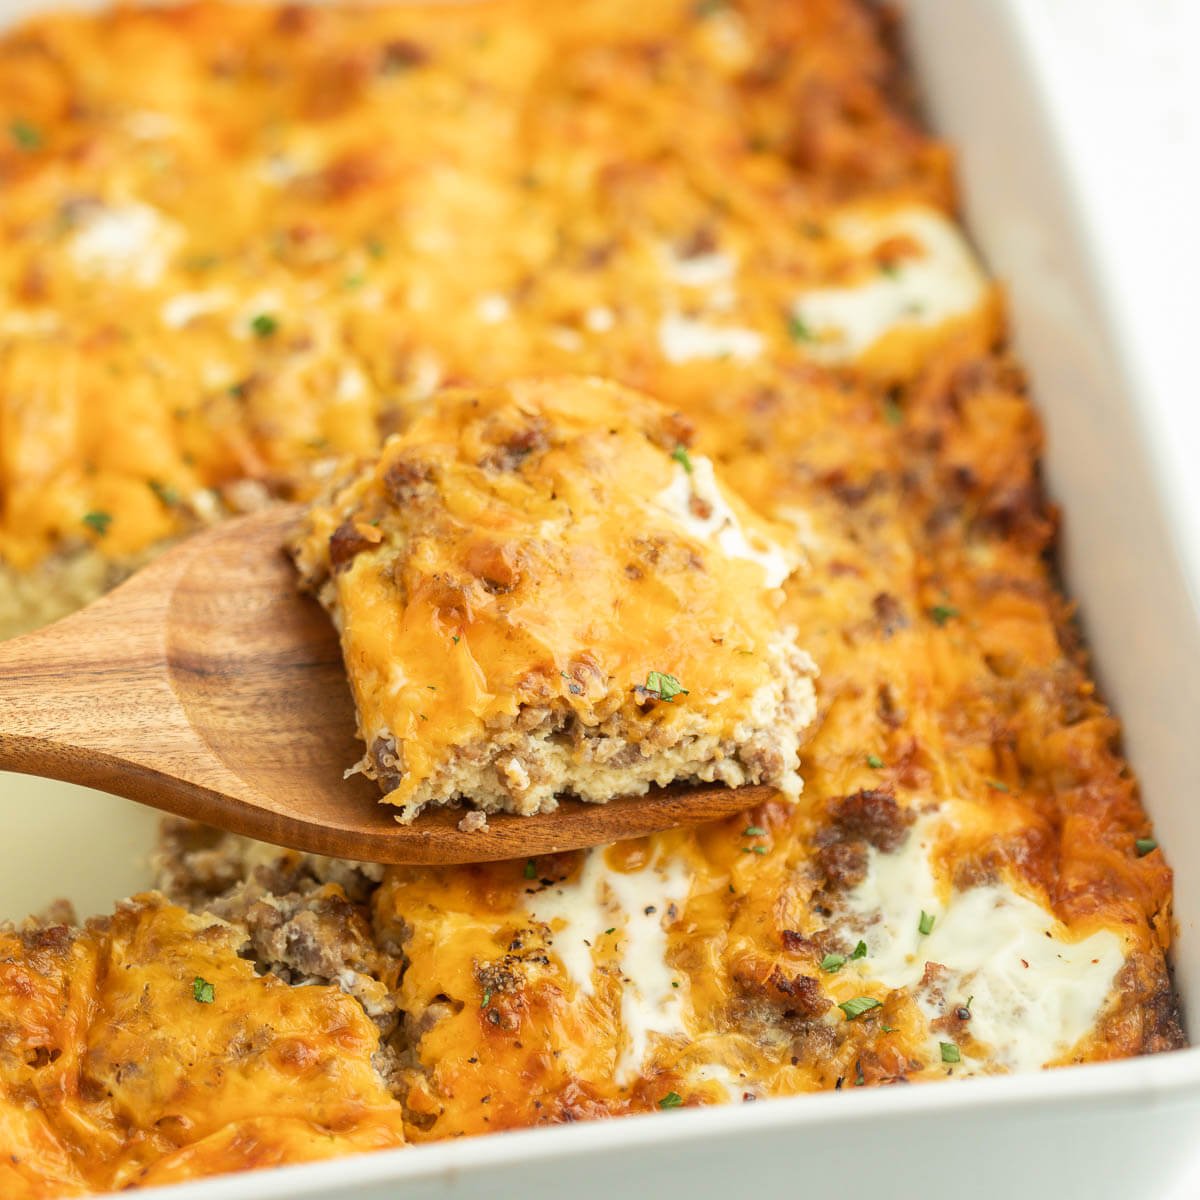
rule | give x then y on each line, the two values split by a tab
944	281
130	243
684	339
493	308
721	526
721	1075
351	385
635	906
424	375
702	270
1036	993
599	319
180	309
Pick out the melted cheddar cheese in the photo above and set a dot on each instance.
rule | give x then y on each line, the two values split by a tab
242	242
538	590
143	1050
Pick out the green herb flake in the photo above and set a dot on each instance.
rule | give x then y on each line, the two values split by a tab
671	1100
832	963
941	613
264	325
166	493
530	869
875	762
99	521
890	269
893	414
860	951
681	456
925	924
200	262
950	1053
610	929
798	331
665	687
1144	846
857	1005
25	135
887	1028
487	998
998	785
754	831
758	850
203	992
375	247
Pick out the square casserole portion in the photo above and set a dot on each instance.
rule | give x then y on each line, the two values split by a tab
540	591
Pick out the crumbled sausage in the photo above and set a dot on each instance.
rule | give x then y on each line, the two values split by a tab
344	543
873	815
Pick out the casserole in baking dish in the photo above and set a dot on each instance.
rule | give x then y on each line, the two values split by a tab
764	1000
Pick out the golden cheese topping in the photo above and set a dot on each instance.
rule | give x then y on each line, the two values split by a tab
239	240
143	1050
544	564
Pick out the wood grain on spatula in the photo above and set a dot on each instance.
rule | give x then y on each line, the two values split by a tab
208	686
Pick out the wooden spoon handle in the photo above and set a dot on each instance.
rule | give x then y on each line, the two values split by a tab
81	697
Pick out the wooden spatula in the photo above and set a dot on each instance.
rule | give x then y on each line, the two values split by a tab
208	686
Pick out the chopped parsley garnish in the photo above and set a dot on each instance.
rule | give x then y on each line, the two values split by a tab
874	761
611	929
925	924
758	849
860	951
857	1005
1143	846
665	687
25	135
671	1100
832	963
893	414
798	331
950	1052
941	613
202	991
890	269
997	785
681	456
375	248
200	262
754	831
165	492
99	521
487	998
456	639
264	325
530	869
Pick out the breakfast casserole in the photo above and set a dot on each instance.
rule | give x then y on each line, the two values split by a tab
245	246
525	580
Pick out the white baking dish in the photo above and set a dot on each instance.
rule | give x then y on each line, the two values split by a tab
1090	268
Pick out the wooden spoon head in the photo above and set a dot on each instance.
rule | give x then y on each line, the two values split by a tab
258	671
